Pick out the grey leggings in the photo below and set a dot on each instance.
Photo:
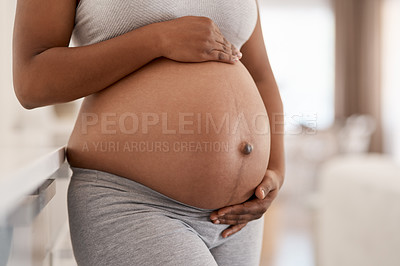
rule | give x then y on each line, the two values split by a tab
116	221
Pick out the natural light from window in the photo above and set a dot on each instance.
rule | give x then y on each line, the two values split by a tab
300	41
390	77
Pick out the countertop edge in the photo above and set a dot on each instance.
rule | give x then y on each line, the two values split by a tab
29	177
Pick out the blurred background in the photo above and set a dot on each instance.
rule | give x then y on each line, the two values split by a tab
337	65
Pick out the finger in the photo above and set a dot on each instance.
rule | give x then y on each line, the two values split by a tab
241	217
236	51
220	55
250	206
253	213
220	39
218	213
217	30
223	47
223	41
238	219
214	215
232	230
227	47
239	208
264	188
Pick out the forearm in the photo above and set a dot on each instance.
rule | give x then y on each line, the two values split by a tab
62	74
270	95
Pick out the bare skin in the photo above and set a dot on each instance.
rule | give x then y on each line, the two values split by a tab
47	71
174	105
256	60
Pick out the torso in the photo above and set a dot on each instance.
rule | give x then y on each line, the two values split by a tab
178	128
214	105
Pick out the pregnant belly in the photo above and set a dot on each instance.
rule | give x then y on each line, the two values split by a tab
183	129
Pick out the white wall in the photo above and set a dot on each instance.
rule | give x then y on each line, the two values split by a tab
8	104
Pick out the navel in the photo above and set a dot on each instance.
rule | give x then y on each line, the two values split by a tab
246	148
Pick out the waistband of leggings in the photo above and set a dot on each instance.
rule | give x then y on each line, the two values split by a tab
92	175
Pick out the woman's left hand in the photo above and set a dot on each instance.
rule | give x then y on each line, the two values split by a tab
254	208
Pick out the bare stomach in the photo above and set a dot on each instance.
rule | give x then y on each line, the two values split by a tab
196	132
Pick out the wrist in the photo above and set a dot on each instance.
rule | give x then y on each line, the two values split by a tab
279	174
159	39
152	33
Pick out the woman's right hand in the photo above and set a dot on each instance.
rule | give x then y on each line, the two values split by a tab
195	39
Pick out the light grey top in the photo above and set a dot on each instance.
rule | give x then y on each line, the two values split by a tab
100	20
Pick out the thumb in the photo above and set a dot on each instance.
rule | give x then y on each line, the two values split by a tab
262	190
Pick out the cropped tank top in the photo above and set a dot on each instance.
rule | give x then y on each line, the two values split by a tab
100	20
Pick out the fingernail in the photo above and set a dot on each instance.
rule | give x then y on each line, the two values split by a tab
235	58
263	193
216	221
228	234
240	55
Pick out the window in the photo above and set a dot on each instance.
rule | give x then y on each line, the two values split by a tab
300	39
390	77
